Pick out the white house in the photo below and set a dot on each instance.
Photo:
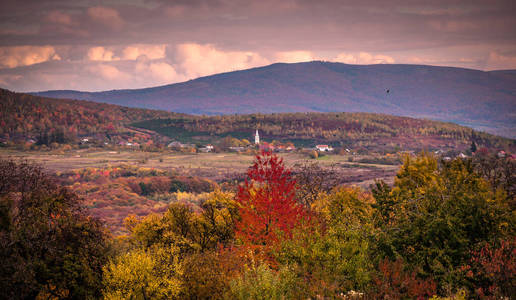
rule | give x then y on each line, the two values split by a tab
206	149
324	148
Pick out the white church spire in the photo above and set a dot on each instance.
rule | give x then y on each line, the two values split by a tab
256	138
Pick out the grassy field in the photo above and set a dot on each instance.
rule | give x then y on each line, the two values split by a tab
215	166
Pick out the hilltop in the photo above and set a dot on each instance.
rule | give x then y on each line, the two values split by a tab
482	100
366	131
46	120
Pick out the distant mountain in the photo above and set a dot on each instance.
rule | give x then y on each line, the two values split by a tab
482	100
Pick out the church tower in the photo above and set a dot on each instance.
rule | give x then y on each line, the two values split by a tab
256	138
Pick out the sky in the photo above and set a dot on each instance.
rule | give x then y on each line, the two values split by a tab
103	45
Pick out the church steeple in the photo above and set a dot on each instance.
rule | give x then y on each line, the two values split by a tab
256	138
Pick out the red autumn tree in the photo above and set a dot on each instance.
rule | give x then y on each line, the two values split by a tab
268	208
492	270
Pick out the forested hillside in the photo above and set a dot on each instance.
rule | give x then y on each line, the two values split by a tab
45	121
370	131
24	116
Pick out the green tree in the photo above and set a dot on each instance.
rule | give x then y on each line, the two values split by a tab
49	246
441	213
473	147
190	231
330	254
261	282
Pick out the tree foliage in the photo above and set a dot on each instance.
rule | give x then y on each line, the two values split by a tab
492	270
63	121
436	214
395	282
49	246
261	282
330	254
358	130
268	207
444	229
152	273
187	229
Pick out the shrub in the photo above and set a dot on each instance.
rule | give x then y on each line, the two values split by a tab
260	282
394	282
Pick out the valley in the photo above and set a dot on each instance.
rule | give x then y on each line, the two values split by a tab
219	167
113	201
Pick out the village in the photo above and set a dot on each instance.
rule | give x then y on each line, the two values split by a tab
138	139
240	146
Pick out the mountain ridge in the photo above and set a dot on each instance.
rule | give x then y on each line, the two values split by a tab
484	100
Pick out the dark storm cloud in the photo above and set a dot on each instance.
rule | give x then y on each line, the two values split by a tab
474	34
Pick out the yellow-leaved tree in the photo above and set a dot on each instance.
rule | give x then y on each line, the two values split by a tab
153	273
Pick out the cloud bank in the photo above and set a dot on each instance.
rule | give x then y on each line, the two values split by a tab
90	45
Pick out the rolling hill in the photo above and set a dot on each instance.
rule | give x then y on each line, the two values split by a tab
45	120
366	131
64	121
482	100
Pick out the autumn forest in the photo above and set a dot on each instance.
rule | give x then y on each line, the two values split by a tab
444	229
99	201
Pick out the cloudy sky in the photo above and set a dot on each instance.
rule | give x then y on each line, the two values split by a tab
101	45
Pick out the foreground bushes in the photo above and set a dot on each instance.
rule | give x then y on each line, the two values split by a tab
435	215
49	247
441	231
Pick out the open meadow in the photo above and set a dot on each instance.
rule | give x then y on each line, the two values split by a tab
118	184
215	166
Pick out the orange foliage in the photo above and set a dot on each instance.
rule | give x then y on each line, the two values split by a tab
394	282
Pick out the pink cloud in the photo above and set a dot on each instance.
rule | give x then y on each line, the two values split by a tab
205	59
108	72
150	51
59	17
453	25
158	72
497	61
294	56
101	54
11	57
364	58
106	16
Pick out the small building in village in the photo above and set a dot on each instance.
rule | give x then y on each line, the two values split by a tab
323	148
